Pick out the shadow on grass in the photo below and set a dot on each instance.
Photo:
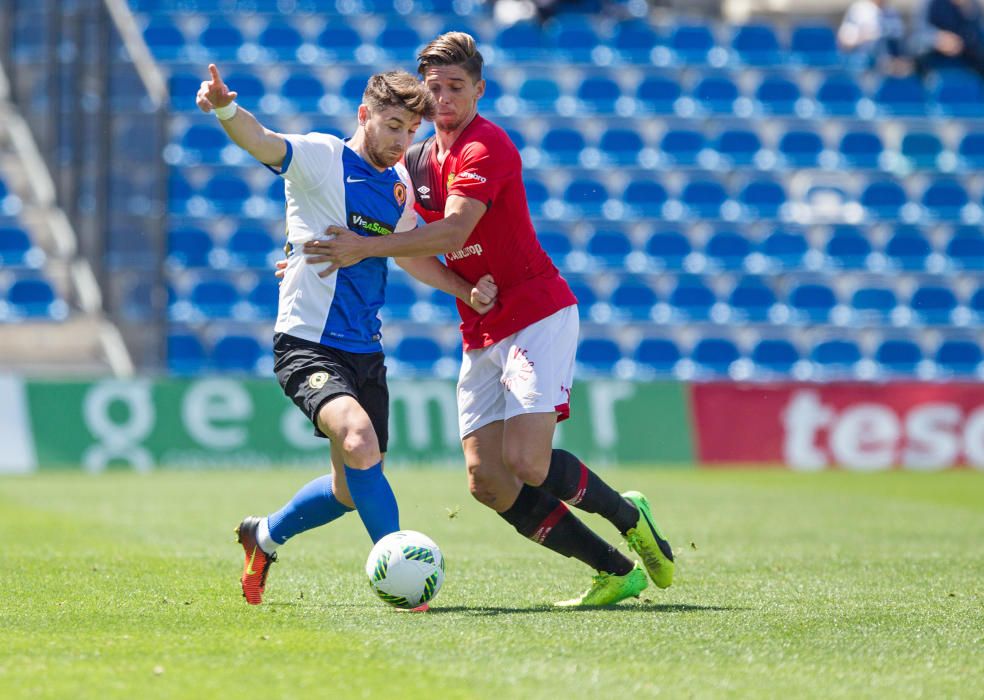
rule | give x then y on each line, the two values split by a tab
623	608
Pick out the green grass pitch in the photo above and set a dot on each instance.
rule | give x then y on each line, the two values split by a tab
788	585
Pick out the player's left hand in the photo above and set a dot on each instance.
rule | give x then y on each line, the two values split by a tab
484	294
343	249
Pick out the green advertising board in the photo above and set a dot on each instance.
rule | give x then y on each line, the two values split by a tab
224	422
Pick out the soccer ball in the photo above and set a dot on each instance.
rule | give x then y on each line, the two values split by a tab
405	569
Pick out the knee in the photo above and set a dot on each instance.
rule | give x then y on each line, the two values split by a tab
527	470
361	448
480	486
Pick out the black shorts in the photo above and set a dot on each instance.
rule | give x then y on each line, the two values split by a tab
312	374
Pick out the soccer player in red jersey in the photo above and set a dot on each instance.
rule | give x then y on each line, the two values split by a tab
518	361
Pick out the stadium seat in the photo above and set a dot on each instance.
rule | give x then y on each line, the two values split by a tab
921	149
801	149
633	41
35	298
839	95
971	151
537	195
214	298
775	355
873	305
907	249
226	193
966	249
539	94
556	244
959	94
585	197
959	357
523	41
681	146
704	198
575	38
835	358
861	149
645	198
203	143
221	41
182	88
185	354
658	94
302	92
249	89
714	356
898	356
777	96
762	199
353	88
252	247
692	300
883	199
164	40
598	355
598	95
727	250
691	43
667	250
586	297
716	95
901	96
16	249
812	303
280	41
442	306
633	300
848	248
756	45
562	146
933	304
738	147
400	300
189	246
814	46
237	354
609	248
784	250
976	306
339	43
751	301
179	192
263	299
945	199
657	355
399	42
620	146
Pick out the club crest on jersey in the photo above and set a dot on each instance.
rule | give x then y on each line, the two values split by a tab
318	380
450	179
400	192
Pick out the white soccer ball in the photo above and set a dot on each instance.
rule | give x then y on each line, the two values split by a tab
405	569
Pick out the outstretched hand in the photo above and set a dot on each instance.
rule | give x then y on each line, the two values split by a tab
214	93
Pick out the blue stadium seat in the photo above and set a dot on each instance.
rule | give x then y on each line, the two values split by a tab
302	92
339	42
585	197
716	94
812	303
714	356
226	193
668	249
691	43
945	199
353	88
644	198
633	41
657	355
682	146
556	244
562	146
959	357
901	96
704	198
399	41
539	94
814	46
933	304
778	96
598	355
164	40
836	357
873	305
976	306
839	95
35	298
183	87
203	143
959	94
16	249
751	300
848	248
966	249
586	297
598	95
861	149
264	298
442	305
575	38
784	250
237	354
185	354
762	199
519	141
280	41
756	45
189	246
692	300
738	146
400	300
523	41
775	355
883	199
609	248
898	356
801	149
222	42
727	250
971	151
249	89
252	247
658	94
908	249
178	192
620	146
214	298
537	194
633	300
921	149
275	193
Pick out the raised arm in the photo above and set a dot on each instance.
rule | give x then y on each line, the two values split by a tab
266	146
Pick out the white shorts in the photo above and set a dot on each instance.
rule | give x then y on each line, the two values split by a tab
530	371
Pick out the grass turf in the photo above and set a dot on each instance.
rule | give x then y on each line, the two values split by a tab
788	585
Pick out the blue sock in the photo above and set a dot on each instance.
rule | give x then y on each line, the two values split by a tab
314	505
374	500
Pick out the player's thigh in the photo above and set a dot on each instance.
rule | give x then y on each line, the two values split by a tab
488	479
527	444
347	425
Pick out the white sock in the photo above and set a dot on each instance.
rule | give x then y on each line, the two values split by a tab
263	537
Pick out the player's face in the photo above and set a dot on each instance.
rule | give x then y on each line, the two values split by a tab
456	93
389	132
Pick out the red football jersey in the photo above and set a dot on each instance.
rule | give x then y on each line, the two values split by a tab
484	164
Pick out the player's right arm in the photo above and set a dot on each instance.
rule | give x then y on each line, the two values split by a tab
266	146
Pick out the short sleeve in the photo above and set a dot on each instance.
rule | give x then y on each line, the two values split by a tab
482	171
408	219
308	158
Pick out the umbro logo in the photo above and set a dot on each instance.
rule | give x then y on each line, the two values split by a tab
424	189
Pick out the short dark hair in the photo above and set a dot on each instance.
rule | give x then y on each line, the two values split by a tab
452	49
398	88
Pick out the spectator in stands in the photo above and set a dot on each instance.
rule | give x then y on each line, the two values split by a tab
950	33
872	33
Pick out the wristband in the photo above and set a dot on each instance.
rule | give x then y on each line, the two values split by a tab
226	113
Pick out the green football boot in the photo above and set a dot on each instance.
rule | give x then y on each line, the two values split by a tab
648	542
608	589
